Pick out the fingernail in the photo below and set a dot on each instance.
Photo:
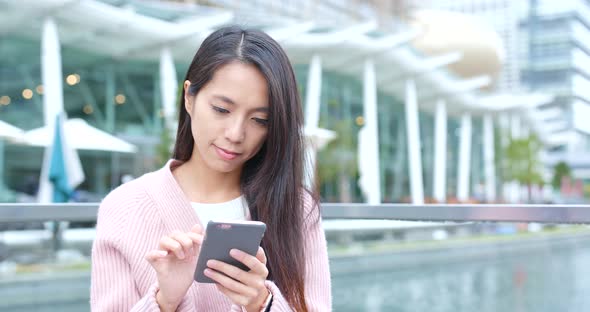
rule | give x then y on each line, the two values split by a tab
234	252
162	253
207	272
181	255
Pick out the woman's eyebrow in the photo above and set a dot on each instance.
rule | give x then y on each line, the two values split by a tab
231	102
224	99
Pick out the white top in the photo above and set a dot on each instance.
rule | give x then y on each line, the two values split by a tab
234	209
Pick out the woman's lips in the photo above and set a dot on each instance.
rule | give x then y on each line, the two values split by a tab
225	154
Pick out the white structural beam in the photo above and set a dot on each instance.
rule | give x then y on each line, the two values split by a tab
10	132
284	33
444	87
51	72
428	65
440	152
312	115
324	40
466	85
414	144
368	47
506	102
313	95
556	126
512	188
53	103
515	126
168	87
464	159
107	29
489	158
186	30
369	181
526	114
548	114
560	138
386	42
22	12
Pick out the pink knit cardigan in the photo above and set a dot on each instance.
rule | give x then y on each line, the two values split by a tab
131	221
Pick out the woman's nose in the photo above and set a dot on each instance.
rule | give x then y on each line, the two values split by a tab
235	131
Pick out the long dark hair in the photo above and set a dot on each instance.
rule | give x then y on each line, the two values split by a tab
271	181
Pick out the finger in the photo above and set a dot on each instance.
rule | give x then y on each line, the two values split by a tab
234	297
231	284
197	229
155	255
261	255
196	238
169	244
250	279
250	261
185	241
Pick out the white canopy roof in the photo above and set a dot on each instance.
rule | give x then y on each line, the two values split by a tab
126	29
319	137
80	135
10	132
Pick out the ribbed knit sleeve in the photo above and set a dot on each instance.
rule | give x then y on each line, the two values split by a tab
113	286
132	219
318	287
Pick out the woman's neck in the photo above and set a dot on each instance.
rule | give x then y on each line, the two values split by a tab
204	185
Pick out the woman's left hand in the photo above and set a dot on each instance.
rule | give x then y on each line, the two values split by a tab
243	288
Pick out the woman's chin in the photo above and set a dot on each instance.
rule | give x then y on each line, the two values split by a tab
224	167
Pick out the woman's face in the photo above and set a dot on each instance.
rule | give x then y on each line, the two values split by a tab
229	116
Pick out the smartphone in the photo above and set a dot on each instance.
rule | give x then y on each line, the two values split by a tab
223	236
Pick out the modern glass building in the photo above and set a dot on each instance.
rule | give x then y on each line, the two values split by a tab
409	128
558	56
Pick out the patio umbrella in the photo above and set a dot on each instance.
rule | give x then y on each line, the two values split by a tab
80	136
10	132
315	140
65	170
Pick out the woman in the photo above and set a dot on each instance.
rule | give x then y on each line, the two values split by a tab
238	154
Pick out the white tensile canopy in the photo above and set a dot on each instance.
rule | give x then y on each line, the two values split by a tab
81	136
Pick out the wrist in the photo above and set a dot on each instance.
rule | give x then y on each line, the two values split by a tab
165	305
261	303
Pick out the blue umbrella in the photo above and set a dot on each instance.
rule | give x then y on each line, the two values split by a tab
65	170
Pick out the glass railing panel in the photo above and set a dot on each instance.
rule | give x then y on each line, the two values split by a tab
460	267
38	274
453	259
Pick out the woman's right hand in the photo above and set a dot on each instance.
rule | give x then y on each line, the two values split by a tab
175	263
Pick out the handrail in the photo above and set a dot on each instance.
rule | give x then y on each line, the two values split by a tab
28	212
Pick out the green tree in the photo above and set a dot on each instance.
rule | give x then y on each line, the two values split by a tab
521	162
164	147
337	162
560	171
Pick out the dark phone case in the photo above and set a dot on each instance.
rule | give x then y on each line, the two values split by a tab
221	237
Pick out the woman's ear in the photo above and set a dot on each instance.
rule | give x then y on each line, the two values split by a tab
188	99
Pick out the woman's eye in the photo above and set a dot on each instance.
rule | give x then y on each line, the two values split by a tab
262	122
220	110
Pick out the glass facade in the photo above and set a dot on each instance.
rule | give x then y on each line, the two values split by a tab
556	53
122	96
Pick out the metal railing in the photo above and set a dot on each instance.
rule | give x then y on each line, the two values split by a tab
443	212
